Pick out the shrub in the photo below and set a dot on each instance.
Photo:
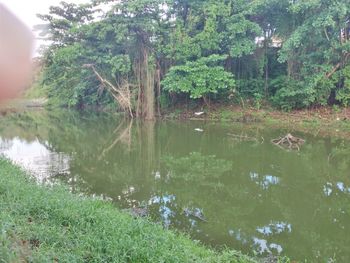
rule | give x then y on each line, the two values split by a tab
343	93
199	78
291	94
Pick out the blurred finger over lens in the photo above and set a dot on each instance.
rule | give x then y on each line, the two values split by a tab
16	44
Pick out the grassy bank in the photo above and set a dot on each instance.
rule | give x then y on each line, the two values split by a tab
40	224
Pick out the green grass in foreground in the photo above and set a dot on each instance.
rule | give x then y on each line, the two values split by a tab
40	224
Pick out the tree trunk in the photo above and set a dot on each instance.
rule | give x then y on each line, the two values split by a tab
157	82
266	64
145	72
147	79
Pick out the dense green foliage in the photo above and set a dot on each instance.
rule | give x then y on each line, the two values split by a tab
50	225
198	78
294	54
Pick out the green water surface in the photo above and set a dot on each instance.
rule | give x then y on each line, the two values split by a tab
252	195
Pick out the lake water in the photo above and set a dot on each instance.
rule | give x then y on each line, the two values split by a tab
254	196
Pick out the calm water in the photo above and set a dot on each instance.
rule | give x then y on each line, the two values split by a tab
254	196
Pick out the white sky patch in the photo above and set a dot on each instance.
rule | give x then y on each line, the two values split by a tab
26	10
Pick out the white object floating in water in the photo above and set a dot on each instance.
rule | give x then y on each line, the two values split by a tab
157	176
199	130
199	113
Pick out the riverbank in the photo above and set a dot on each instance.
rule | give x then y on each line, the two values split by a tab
323	121
48	224
19	105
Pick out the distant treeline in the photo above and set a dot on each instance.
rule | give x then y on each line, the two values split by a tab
145	55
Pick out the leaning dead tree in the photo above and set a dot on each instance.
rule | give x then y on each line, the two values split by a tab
289	142
120	92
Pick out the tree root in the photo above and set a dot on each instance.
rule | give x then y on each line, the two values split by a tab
289	142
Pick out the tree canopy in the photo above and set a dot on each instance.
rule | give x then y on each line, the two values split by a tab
137	53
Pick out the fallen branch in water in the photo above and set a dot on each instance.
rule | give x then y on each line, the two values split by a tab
289	142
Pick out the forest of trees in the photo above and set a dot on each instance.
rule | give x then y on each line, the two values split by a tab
145	55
